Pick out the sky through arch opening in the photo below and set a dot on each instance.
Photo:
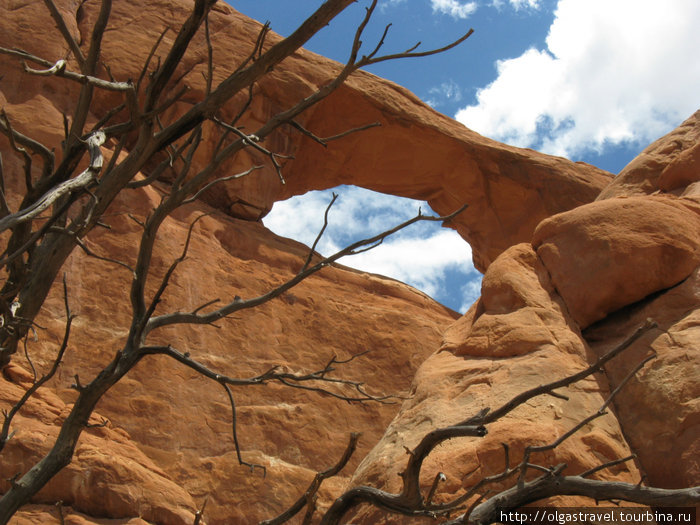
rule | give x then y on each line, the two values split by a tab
427	256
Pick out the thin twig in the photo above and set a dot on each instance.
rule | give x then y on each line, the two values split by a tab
83	245
320	233
210	58
607	465
252	140
490	416
200	513
275	374
257	47
307	498
234	426
152	52
600	412
219	181
237	305
325	140
67	36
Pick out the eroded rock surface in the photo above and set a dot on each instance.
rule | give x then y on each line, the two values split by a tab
179	422
669	164
518	336
166	444
606	267
659	409
614	252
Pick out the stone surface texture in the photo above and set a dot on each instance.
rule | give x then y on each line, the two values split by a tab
574	260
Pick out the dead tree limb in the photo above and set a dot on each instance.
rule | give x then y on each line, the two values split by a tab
5	434
308	498
80	183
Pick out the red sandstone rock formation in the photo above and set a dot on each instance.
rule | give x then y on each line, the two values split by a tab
416	152
670	164
617	261
166	444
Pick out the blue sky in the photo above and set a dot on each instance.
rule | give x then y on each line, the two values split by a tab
591	80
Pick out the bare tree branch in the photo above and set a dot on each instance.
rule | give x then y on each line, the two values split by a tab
219	181
152	52
599	413
16	139
554	483
257	48
306	499
4	432
59	188
410	501
489	417
237	305
200	513
4	207
143	127
79	183
276	374
324	141
234	432
63	28
320	233
59	69
252	140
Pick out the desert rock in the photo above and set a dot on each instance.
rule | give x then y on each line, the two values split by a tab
614	252
565	279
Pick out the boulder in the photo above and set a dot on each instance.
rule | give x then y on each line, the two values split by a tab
614	252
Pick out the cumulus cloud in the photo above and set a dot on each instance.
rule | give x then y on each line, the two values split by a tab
433	259
613	71
454	8
420	262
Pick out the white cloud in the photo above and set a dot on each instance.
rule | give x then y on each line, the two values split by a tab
525	4
447	91
517	4
613	71
471	291
420	262
433	259
454	8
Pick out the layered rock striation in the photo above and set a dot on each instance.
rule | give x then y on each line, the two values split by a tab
574	260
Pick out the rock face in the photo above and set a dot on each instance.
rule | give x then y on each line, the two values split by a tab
516	337
574	261
670	164
171	423
618	261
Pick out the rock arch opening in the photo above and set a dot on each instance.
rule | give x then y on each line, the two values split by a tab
431	258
